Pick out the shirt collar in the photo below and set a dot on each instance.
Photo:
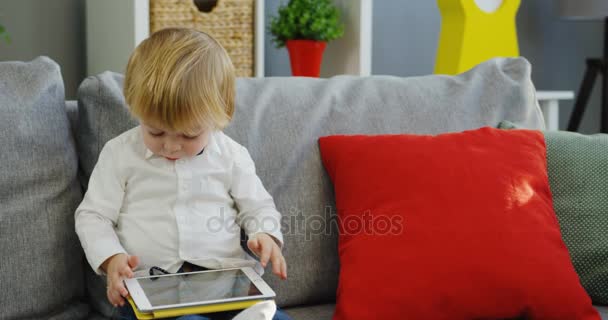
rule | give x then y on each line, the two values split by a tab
148	154
212	146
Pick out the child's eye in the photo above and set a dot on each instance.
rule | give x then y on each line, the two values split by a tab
190	137
156	134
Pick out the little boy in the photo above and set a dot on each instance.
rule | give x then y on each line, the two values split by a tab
174	192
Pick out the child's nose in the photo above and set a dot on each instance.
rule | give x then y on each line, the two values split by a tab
172	147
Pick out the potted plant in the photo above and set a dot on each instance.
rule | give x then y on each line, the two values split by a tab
305	27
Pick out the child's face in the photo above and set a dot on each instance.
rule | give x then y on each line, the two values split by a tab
174	145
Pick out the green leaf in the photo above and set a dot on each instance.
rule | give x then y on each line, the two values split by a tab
306	19
4	34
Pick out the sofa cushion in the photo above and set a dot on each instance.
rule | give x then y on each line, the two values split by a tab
326	311
314	312
280	119
452	226
578	174
42	273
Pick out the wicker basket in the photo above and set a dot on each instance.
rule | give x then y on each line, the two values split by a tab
230	22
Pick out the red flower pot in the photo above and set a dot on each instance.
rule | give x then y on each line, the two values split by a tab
305	57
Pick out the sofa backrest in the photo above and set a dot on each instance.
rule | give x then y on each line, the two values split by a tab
280	119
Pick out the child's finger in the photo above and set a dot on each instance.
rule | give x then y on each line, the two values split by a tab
266	250
281	267
133	261
124	292
120	288
276	263
253	245
121	301
114	297
284	268
126	272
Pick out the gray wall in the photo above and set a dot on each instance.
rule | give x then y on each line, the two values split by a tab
54	28
557	49
404	38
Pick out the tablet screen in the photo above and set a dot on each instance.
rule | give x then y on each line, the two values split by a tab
213	285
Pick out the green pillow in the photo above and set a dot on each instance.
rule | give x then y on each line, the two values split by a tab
578	176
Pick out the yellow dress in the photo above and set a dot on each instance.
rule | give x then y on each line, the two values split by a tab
470	35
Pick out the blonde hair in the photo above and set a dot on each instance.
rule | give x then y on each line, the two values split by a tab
180	79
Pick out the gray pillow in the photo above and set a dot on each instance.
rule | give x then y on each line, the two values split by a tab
41	266
280	119
102	115
578	175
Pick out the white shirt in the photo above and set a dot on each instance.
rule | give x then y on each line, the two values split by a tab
167	212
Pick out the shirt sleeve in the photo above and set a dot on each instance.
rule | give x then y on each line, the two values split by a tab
97	214
257	211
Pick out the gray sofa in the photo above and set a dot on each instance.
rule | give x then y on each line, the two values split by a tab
49	148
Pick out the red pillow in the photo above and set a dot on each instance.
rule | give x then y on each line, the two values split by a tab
454	226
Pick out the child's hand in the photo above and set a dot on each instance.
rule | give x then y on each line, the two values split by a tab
119	267
264	246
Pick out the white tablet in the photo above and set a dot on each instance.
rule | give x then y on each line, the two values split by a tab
199	288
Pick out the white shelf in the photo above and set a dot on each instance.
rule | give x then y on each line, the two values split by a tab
549	105
351	54
259	38
554	95
115	27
